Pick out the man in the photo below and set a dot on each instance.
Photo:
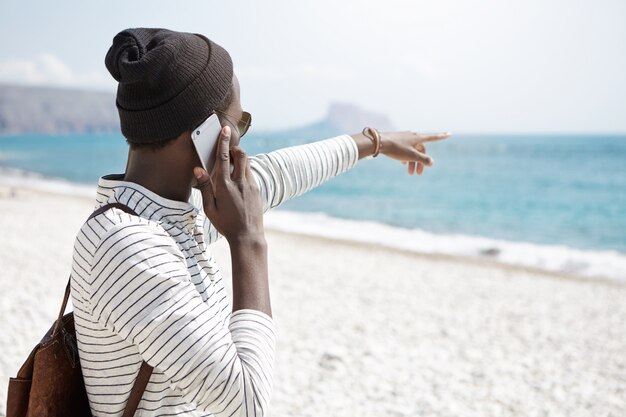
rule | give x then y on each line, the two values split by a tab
146	287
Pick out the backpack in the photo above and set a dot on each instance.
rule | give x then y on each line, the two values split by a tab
50	382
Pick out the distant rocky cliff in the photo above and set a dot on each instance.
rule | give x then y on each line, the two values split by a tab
351	119
59	110
340	118
56	110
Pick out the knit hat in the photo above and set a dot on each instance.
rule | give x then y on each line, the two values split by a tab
169	82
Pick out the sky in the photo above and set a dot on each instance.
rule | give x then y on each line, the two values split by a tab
484	66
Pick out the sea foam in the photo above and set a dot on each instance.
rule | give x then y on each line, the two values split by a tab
18	178
555	258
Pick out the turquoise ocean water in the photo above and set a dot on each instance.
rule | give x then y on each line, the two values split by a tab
546	190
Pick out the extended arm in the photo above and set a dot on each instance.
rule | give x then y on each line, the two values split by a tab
292	171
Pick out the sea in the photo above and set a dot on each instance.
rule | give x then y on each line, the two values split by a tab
552	202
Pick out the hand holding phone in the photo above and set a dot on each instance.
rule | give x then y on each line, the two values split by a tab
232	202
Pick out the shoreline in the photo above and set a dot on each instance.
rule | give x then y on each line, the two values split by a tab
463	248
442	257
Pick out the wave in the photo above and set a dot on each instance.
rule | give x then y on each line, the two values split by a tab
555	258
15	177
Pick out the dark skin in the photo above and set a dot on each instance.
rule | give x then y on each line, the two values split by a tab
232	202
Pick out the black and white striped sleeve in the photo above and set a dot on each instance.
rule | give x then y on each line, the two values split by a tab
141	290
290	172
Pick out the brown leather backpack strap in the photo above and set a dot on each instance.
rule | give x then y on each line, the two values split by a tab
109	205
57	324
138	389
145	371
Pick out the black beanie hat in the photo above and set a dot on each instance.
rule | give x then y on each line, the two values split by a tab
169	81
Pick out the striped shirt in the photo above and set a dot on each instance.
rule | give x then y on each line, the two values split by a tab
148	288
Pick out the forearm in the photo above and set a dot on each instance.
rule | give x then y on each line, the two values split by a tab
250	275
290	172
364	144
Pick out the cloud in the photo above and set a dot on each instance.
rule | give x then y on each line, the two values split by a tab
48	69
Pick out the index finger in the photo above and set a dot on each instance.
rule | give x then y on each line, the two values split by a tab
222	159
432	137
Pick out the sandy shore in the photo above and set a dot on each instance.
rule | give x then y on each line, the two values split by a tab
365	331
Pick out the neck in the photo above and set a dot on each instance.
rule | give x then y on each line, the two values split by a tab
160	172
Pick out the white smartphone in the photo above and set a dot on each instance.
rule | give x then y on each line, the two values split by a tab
204	138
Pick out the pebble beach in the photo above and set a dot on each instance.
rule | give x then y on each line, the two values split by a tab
365	330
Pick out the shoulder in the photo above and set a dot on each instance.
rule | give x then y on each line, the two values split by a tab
114	224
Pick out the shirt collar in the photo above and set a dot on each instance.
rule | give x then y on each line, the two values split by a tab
146	203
